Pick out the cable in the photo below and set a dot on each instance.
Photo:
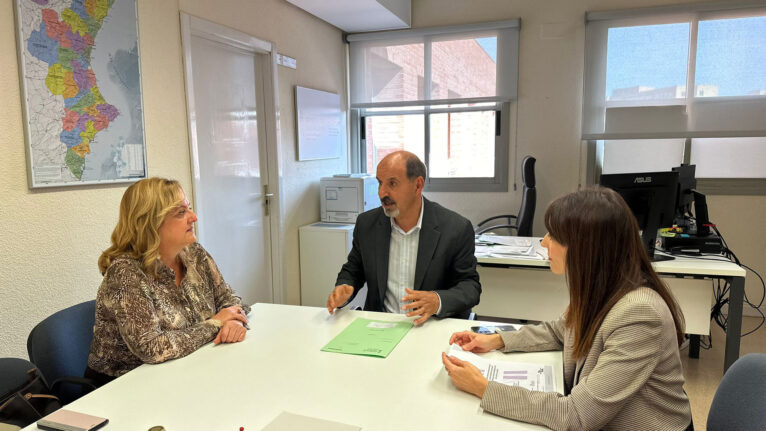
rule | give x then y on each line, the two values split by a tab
763	296
721	288
721	292
710	257
757	308
722	298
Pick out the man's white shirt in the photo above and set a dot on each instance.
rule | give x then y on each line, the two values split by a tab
402	260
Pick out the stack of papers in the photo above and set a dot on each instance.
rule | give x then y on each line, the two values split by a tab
535	377
507	247
505	251
514	241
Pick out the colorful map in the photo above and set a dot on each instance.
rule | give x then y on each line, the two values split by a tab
82	91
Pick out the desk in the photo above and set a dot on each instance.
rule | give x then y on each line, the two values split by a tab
526	289
279	367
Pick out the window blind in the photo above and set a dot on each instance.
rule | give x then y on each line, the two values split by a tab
639	64
435	66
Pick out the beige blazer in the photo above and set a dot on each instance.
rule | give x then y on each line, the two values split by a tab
631	379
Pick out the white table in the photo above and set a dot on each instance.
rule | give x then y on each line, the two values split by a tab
526	289
279	367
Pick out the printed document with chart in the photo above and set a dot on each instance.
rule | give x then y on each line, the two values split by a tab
532	376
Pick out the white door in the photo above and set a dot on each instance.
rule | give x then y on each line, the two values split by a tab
225	92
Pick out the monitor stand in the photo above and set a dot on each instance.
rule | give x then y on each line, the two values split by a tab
649	239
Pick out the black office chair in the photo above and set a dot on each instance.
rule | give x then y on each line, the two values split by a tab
740	399
59	347
13	375
24	395
526	216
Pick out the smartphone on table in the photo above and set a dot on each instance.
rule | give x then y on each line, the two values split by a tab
492	329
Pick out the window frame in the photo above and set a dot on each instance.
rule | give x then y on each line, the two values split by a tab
595	70
497	183
673	115
505	94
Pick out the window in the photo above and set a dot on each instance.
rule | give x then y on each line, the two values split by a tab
462	143
639	65
646	64
442	93
731	54
640	155
715	156
385	134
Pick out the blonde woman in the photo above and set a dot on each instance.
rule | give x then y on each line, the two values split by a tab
162	296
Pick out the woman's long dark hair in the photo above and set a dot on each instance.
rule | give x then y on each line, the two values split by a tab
605	260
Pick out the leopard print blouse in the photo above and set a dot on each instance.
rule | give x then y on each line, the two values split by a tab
141	319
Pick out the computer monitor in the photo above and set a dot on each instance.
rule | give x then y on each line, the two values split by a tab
652	198
685	194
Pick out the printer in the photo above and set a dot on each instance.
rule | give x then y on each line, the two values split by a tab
343	197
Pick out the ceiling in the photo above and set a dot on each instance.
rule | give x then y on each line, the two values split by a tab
354	16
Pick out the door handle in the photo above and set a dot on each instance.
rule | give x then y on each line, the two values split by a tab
266	199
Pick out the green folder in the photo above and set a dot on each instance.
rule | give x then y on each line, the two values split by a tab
368	338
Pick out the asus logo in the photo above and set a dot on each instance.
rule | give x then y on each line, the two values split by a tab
641	180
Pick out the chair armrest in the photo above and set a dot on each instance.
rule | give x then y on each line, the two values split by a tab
508	216
497	226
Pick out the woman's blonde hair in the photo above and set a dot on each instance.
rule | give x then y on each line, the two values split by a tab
142	211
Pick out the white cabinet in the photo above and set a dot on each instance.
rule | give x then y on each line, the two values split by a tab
324	249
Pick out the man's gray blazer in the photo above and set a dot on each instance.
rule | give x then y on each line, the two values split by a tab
445	262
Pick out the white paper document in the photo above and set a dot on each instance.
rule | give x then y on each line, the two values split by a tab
535	377
514	241
505	250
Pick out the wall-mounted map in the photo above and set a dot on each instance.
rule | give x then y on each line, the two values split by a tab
81	85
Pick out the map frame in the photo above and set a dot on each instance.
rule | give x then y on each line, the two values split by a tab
22	53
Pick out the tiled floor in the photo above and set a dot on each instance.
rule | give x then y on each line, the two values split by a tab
704	374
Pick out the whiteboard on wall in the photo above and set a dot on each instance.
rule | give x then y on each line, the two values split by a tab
321	124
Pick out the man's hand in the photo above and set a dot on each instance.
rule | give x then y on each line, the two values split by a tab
231	332
339	296
424	304
465	376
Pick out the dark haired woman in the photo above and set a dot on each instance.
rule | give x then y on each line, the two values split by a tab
620	333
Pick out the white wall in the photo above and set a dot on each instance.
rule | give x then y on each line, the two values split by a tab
50	240
320	54
549	105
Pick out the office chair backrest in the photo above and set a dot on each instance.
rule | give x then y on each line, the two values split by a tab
526	215
60	344
740	400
